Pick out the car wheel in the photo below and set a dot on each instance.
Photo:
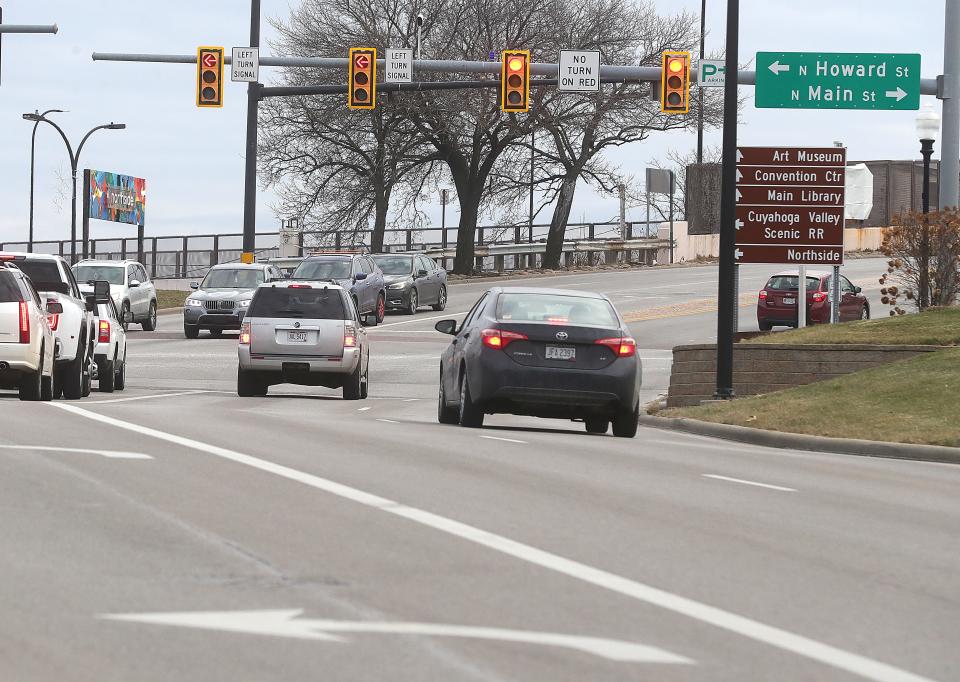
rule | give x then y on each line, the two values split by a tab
72	377
124	309
46	388
765	326
865	313
441	300
191	331
445	413
381	307
597	425
120	382
108	375
31	385
470	415
414	303
150	324
351	389
625	423
248	386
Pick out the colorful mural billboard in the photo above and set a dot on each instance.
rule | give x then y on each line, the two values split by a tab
117	198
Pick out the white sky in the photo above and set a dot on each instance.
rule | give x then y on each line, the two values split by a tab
193	159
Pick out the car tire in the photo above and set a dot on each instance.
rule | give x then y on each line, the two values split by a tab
865	313
597	425
72	377
625	423
381	309
470	415
150	324
765	326
191	331
445	413
124	309
120	381
353	388
108	375
414	303
441	303
31	385
46	388
248	386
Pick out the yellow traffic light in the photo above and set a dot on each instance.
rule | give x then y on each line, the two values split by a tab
515	81
362	87
675	83
209	76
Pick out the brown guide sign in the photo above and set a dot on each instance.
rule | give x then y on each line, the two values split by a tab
790	255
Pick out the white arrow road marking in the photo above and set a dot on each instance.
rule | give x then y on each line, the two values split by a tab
738	254
899	94
725	620
738	223
286	623
112	454
779	68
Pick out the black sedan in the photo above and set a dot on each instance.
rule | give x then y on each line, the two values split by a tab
542	353
412	281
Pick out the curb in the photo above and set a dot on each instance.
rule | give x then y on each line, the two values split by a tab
798	441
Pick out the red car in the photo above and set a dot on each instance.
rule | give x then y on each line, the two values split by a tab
777	305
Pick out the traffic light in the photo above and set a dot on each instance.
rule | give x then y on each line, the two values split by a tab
675	83
209	76
362	88
515	81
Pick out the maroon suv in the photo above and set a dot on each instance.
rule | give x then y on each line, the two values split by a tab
777	305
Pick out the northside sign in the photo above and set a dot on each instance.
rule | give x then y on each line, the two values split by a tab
837	80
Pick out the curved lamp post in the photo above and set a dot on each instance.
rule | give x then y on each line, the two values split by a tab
33	150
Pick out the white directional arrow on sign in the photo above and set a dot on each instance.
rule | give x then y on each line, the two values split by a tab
897	94
738	223
739	176
779	68
738	254
739	196
287	623
739	155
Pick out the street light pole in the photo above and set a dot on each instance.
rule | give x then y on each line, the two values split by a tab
928	124
703	28
250	172
33	151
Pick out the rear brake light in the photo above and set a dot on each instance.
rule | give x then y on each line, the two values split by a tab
498	339
349	339
104	334
54	321
10	257
245	334
556	319
300	286
24	323
819	296
624	347
763	294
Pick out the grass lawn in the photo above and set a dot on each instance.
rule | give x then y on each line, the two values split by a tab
912	401
935	327
169	298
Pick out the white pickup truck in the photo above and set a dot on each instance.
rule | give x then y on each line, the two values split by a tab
74	328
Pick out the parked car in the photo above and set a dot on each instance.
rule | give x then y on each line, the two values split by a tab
110	353
777	301
309	334
355	272
73	326
130	288
221	300
543	353
412	281
27	344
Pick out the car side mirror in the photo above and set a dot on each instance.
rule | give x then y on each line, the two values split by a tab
134	283
421	273
54	308
446	327
857	290
194	285
127	316
370	320
101	290
90	303
359	276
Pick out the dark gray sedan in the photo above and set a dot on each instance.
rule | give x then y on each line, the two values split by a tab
220	302
413	281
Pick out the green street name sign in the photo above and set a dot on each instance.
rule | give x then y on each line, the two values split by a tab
837	80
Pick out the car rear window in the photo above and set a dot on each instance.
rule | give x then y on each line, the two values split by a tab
283	302
45	275
395	265
787	282
333	268
556	309
9	290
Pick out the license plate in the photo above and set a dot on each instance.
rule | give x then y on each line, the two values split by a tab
558	353
297	337
789	301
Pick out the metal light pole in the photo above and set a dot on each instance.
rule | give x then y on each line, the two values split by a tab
950	149
74	162
928	123
33	150
250	172
703	37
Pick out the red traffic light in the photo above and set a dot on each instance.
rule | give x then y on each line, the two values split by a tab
362	84
209	77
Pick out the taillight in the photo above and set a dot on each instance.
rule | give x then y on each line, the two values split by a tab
763	294
24	323
557	319
300	286
53	320
245	334
499	339
624	347
819	296
104	335
349	338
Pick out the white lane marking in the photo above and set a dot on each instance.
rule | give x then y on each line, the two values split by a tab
505	440
411	400
448	316
147	397
364	409
388	421
112	454
725	620
287	623
754	483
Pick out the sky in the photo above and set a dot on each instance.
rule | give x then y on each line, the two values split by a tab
193	159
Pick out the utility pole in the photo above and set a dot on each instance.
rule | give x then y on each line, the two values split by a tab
250	175
21	28
703	37
950	152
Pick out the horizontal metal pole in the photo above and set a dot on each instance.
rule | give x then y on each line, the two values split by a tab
28	28
541	247
418	86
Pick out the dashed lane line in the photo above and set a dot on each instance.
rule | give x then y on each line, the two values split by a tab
753	483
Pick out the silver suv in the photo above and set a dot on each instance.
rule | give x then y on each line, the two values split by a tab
130	288
304	333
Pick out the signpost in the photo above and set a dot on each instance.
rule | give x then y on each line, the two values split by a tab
245	65
579	71
712	73
837	80
398	66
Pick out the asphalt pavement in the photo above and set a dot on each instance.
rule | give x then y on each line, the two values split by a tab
175	531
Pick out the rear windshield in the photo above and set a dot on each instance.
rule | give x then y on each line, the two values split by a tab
233	278
394	265
45	275
788	282
9	290
110	273
314	304
556	309
323	269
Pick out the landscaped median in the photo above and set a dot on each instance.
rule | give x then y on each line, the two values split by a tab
906	408
169	299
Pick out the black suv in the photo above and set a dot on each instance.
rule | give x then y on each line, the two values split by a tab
355	272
